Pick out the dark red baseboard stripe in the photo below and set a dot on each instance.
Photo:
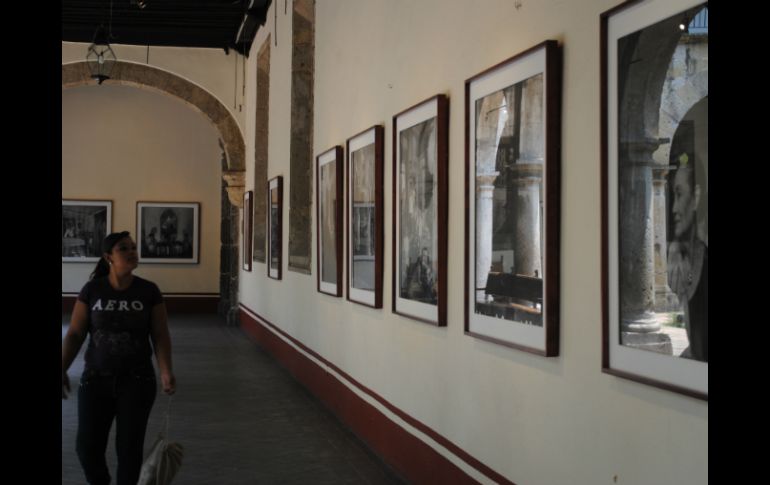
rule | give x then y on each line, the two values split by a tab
203	303
407	454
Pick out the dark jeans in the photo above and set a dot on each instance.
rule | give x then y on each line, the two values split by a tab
126	399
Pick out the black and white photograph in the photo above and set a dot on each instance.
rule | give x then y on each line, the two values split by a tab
274	226
513	201
329	202
84	224
656	198
418	224
365	164
362	218
248	214
168	232
420	197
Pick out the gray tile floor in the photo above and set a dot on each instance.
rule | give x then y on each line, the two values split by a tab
241	418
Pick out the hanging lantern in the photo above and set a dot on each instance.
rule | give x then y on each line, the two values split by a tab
100	56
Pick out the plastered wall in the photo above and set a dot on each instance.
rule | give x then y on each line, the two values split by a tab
534	420
127	144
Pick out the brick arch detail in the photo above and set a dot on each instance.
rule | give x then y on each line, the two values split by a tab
143	76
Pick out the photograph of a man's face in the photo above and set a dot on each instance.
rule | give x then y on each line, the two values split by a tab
663	186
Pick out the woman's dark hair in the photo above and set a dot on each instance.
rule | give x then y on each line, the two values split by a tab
102	267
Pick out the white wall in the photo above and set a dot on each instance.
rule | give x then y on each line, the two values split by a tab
535	420
127	144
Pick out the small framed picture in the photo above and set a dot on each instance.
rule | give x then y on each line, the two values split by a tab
168	232
512	198
84	225
248	207
420	157
329	223
655	194
365	216
274	226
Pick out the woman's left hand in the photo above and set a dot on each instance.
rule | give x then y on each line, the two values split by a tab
169	383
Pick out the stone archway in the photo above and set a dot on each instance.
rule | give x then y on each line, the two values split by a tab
233	160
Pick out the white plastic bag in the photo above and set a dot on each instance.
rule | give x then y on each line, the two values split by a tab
161	463
163	460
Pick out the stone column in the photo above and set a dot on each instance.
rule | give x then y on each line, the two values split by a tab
665	299
236	185
532	131
636	270
485	189
526	244
490	122
528	177
229	255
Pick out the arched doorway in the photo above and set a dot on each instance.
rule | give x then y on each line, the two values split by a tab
232	163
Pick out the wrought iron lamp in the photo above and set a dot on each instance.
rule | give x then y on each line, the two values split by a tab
100	57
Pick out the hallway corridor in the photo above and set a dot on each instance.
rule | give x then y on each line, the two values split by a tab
241	418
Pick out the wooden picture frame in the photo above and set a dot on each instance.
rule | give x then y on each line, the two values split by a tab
512	198
246	228
84	225
654	138
275	227
168	232
420	214
365	214
329	201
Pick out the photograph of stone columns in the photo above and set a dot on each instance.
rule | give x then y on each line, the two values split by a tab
513	199
663	186
84	225
655	194
510	150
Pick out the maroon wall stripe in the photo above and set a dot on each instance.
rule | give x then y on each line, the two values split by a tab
408	454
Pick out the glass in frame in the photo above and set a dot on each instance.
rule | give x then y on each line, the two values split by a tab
655	194
168	232
512	195
84	225
420	157
248	214
274	226
365	216
329	221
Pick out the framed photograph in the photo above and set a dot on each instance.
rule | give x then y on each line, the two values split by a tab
329	223
365	213
274	226
168	232
420	157
512	198
248	214
655	194
84	225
